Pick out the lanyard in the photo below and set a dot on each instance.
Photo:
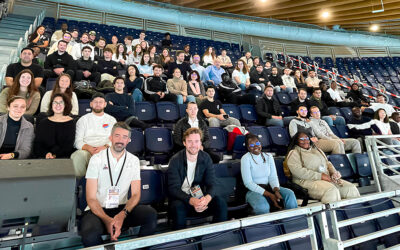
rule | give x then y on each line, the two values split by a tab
109	169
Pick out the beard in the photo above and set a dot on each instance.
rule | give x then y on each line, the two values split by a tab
118	147
97	110
193	151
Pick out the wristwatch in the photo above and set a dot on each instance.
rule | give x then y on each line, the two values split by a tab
125	211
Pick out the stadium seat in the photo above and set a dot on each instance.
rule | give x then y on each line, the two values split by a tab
294	224
342	164
335	130
152	190
343	131
262	134
232	110
146	111
182	110
158	145
239	148
334	111
136	146
346	113
264	231
249	115
187	244
50	83
363	169
167	112
218	140
84	106
283	98
279	138
222	240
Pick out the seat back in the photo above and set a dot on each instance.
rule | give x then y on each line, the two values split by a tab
84	107
50	83
342	164
239	148
264	231
262	134
136	145
334	111
283	98
167	111
335	130
279	170
218	139
343	131
279	136
248	113
152	190
222	240
182	110
158	140
363	165
232	110
145	111
346	113
295	224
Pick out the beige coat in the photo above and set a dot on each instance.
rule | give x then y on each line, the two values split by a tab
177	86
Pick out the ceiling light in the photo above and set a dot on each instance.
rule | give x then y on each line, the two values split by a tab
263	1
374	27
325	14
380	10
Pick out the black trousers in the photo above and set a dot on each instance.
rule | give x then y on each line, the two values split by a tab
179	211
156	98
94	77
49	73
93	227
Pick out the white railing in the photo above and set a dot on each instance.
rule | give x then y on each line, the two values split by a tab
22	42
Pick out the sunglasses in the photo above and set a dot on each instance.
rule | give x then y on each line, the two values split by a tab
255	144
304	139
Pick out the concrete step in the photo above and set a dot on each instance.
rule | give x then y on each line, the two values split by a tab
10	36
12	31
16	22
20	17
7	42
13	26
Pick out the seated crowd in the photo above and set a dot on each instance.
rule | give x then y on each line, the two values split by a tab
97	141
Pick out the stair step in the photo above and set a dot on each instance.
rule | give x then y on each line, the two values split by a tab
14	26
12	31
21	17
10	36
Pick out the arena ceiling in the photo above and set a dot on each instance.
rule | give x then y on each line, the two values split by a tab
349	14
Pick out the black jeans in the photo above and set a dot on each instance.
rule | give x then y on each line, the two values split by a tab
179	211
94	77
93	227
156	98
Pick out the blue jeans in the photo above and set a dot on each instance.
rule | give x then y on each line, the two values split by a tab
137	95
288	90
189	98
339	120
260	204
242	86
274	122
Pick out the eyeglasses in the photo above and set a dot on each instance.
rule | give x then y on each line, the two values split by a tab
58	103
255	144
316	112
303	110
304	139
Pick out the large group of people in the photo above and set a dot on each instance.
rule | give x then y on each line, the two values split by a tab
96	142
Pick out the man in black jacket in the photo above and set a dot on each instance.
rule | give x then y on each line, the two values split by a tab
301	100
331	119
85	67
230	92
59	62
192	183
193	121
259	75
107	67
181	64
155	88
268	109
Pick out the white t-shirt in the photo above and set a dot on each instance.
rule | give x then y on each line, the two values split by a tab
386	106
335	95
93	130
98	169
137	41
243	77
191	167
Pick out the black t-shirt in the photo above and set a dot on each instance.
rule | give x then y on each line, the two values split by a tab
15	68
213	107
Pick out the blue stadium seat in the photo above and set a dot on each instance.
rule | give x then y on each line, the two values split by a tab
167	112
218	140
285	110
84	106
335	130
222	240
262	134
264	231
343	131
152	190
283	98
388	221
232	110
187	244
287	120
248	112
279	139
145	111
294	224
334	111
136	146
342	164
158	145
363	169
50	83
346	113
239	148
182	110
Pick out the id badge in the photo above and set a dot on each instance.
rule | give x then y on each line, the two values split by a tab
112	197
196	192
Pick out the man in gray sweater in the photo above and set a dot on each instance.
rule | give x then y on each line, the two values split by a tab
323	131
303	124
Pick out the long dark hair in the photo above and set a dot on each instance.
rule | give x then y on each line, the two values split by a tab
376	116
14	89
123	53
67	104
294	142
136	71
68	91
34	35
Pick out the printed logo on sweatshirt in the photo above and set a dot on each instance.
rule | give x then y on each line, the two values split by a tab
105	125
